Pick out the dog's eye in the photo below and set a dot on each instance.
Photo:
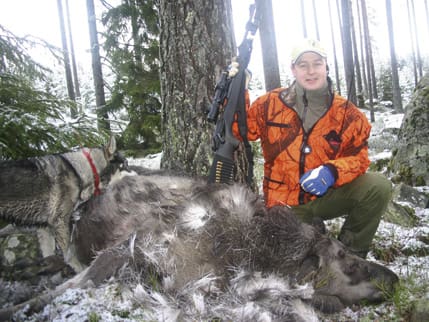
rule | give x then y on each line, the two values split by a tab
341	253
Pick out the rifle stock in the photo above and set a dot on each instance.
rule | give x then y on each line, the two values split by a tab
225	143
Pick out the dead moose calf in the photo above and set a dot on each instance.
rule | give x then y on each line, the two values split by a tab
219	244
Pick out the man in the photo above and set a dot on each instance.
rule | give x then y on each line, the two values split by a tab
315	148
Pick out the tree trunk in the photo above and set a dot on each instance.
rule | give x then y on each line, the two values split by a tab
72	54
348	50
137	42
196	43
413	46
269	46
427	14
100	99
304	21
69	79
362	51
340	26
416	31
358	81
316	20
368	53
337	72
397	99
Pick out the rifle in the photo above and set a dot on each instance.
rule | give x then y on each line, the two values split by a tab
229	101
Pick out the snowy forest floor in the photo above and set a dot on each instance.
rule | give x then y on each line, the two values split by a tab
404	250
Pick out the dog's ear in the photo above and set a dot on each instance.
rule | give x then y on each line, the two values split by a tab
110	148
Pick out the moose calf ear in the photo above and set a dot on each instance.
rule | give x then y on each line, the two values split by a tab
110	149
309	266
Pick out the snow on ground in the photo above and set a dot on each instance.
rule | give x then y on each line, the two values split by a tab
389	236
111	303
413	270
152	161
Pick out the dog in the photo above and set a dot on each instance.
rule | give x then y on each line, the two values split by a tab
44	191
214	251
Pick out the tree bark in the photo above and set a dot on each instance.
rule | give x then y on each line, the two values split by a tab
304	21
413	46
358	81
396	95
362	51
337	72
316	20
368	53
348	50
427	14
72	53
69	79
196	43
137	42
416	31
100	99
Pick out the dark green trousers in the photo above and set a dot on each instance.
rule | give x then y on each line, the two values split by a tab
363	201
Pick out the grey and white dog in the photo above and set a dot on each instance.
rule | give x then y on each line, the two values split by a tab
213	251
44	191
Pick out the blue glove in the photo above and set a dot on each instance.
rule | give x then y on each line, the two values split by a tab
318	181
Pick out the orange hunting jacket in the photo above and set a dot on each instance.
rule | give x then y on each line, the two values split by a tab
339	138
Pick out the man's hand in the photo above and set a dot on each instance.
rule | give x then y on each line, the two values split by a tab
233	70
317	181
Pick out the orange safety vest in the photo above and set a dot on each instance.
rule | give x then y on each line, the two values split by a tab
339	138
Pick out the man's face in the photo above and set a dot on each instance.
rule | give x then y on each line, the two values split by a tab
310	71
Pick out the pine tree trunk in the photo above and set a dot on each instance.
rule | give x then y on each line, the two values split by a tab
196	44
362	51
416	31
304	22
397	99
72	54
358	81
269	46
337	72
413	46
137	42
316	20
348	50
69	79
427	14
368	53
100	99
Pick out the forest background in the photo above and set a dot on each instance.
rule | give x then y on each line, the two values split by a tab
146	70
124	91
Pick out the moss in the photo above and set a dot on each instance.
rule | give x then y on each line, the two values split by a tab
3	223
406	292
406	174
420	181
425	94
93	317
379	165
121	313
